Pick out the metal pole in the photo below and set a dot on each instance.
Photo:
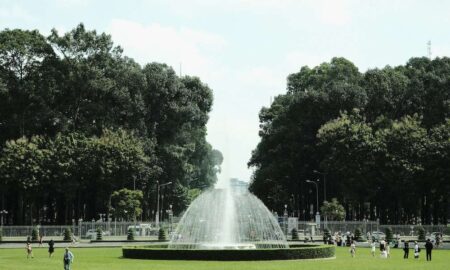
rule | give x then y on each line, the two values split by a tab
157	206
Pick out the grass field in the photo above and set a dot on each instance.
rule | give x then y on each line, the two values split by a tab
110	259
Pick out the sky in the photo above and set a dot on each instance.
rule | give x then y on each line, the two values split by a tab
245	49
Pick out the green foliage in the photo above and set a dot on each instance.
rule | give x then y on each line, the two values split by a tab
389	235
294	234
377	134
102	120
358	236
309	252
326	236
162	235
127	203
35	234
99	234
67	234
333	210
421	234
130	234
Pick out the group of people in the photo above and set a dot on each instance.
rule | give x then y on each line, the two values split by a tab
385	249
67	258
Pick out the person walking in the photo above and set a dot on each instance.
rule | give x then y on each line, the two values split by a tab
388	250
373	247
29	251
51	248
416	250
405	250
41	240
353	249
428	248
68	259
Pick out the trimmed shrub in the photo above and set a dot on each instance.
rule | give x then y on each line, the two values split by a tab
358	235
389	235
294	234
324	251
421	236
130	234
34	234
326	236
99	234
67	234
162	235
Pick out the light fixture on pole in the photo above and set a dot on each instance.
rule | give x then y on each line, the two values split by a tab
317	199
158	186
324	174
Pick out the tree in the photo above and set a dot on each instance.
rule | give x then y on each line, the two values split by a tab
162	235
389	235
67	234
130	234
127	203
294	234
99	234
333	210
358	235
421	234
34	234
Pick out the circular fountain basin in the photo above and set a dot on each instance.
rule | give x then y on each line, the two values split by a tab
296	252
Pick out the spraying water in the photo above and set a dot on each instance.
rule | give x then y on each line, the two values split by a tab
227	218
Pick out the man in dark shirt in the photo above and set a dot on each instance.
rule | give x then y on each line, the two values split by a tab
428	247
406	249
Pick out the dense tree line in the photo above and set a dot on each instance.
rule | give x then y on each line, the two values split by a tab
79	121
380	138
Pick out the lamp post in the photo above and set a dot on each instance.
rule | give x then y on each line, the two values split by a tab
157	201
324	174
170	212
2	212
285	215
317	199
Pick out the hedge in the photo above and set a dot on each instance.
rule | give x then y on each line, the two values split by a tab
293	253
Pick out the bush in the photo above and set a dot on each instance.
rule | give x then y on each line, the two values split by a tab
130	234
389	235
326	236
67	234
358	235
162	235
99	234
307	252
421	232
294	234
34	234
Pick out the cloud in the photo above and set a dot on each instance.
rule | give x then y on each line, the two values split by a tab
158	43
11	12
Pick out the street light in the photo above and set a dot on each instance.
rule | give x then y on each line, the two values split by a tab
317	196
157	201
3	212
324	174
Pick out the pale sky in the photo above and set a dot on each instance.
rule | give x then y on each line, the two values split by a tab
244	49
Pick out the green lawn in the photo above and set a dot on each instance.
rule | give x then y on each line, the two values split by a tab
110	259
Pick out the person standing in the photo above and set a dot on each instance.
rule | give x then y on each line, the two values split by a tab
51	248
68	259
416	250
29	251
41	240
388	249
405	250
428	248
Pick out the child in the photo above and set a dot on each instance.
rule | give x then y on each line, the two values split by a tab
373	246
353	249
29	251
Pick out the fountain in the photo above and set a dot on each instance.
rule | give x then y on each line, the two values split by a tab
225	218
225	223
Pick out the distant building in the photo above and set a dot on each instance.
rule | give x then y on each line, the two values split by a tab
239	185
